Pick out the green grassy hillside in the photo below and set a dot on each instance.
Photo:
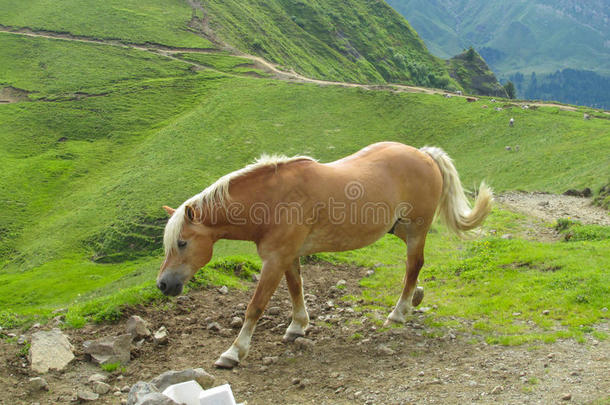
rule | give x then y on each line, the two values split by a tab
473	74
111	134
359	41
154	21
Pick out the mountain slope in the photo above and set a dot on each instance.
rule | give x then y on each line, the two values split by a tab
358	41
520	36
473	74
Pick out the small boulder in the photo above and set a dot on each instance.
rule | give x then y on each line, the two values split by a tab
97	377
214	326
274	311
137	328
50	350
172	377
161	337
304	343
110	349
385	350
156	398
85	395
236	322
101	388
138	391
38	384
270	360
566	397
223	290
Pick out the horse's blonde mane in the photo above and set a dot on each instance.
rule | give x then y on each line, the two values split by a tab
217	194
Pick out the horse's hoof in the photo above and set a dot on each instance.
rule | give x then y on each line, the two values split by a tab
226	362
418	296
291	337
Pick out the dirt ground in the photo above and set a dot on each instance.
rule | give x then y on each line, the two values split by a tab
351	362
551	207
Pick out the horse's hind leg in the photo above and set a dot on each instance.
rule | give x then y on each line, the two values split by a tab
415	261
300	318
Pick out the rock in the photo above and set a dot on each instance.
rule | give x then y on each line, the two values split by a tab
101	388
341	283
22	339
369	273
156	398
224	332
383	349
236	322
304	343
110	349
497	389
214	326
604	309
38	384
223	290
516	313
566	397
137	328
85	395
50	350
507	236
546	312
97	377
329	304
270	360
171	377
274	311
139	390
296	381
161	337
508	148
125	388
421	374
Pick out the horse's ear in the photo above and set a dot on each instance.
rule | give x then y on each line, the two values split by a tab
189	213
170	211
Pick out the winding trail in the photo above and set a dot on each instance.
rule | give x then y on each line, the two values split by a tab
258	62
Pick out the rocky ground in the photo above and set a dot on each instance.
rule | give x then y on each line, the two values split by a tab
550	207
347	360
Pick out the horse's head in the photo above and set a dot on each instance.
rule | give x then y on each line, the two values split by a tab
188	247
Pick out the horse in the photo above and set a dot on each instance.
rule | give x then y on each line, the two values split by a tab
296	206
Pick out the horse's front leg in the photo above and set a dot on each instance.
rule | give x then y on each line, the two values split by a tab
300	317
271	275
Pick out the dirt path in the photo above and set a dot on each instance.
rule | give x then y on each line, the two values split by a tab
351	362
259	62
551	207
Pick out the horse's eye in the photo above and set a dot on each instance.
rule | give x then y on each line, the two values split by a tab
181	243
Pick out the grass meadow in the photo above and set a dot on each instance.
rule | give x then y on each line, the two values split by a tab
112	134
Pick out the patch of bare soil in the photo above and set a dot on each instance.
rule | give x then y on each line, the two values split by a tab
351	362
12	95
551	207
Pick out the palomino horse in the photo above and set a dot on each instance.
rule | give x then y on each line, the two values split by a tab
291	207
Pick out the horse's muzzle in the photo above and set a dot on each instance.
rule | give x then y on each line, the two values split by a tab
170	285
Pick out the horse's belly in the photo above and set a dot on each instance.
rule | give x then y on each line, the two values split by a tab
338	239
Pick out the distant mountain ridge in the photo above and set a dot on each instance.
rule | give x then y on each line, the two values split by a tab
518	36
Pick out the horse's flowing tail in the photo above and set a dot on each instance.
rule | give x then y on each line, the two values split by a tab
454	207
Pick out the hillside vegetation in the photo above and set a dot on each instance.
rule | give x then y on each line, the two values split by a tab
473	74
108	134
357	41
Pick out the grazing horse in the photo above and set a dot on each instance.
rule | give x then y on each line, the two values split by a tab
291	207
